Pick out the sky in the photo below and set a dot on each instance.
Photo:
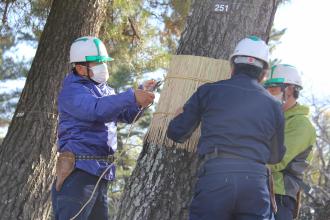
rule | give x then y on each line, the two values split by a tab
306	43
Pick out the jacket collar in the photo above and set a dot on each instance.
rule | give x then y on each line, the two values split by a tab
297	110
246	79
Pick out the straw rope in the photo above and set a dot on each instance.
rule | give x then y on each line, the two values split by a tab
186	73
163	113
188	78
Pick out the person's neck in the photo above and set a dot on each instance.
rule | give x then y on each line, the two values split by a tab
289	104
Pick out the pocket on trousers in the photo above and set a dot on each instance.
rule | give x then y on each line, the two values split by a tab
255	179
257	183
211	183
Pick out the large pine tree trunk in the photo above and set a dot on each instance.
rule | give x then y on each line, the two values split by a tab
27	155
162	183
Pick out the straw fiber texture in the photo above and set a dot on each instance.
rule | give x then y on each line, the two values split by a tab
186	73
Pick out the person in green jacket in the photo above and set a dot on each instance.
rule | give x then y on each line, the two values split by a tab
285	84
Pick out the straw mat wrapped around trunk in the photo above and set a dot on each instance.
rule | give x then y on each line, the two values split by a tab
186	73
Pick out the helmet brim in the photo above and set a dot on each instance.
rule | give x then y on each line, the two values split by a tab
98	59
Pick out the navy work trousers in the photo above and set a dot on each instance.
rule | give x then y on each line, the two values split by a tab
285	207
231	189
76	190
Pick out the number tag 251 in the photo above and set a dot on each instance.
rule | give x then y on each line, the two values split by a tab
221	7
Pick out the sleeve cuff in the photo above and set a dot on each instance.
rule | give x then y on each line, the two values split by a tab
131	92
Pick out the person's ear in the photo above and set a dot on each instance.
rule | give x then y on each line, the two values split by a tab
81	70
232	68
290	90
262	75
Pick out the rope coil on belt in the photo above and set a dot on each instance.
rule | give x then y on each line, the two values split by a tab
188	78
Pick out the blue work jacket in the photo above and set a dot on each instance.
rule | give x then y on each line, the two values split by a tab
88	114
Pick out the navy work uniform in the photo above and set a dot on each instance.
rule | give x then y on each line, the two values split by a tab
241	130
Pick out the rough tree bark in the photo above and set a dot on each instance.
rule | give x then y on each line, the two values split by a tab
162	183
27	155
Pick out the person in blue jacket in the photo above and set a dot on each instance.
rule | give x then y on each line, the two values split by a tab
241	131
88	113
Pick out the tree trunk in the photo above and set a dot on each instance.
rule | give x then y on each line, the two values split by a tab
27	155
162	183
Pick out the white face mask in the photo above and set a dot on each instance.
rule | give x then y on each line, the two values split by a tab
100	73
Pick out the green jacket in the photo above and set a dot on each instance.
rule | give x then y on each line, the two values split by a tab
299	137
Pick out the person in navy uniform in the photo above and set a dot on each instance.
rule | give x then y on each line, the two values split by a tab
242	129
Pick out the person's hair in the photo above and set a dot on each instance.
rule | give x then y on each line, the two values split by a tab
250	70
296	91
78	63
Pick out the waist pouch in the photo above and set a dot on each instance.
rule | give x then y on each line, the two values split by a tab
64	167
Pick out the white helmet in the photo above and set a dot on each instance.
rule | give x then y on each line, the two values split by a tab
88	49
284	74
251	46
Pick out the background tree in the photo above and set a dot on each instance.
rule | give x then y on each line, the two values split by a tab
162	182
135	41
274	40
27	154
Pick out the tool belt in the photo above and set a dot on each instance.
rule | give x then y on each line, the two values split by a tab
304	187
298	205
64	167
218	154
271	190
66	164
